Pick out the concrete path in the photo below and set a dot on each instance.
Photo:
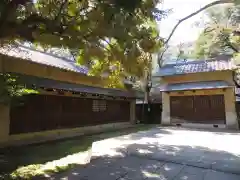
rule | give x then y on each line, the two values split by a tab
206	149
164	154
135	168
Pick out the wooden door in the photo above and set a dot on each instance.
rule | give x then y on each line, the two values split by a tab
207	109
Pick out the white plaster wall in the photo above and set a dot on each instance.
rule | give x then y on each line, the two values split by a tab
165	109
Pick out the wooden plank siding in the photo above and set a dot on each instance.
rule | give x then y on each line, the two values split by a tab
207	109
47	112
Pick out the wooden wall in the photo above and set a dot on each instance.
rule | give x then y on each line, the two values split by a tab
36	113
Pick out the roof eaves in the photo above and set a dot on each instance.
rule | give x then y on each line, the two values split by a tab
175	74
33	81
195	86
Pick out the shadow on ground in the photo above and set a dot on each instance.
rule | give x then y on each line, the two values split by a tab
196	156
153	152
37	154
142	158
154	133
131	167
122	168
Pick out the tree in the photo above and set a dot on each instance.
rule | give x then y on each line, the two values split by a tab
218	37
165	43
10	87
109	36
98	32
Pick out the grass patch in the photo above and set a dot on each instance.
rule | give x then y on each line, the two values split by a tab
26	162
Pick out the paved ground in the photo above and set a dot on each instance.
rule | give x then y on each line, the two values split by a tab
135	168
164	154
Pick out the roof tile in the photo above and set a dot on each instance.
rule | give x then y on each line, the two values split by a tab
195	67
44	58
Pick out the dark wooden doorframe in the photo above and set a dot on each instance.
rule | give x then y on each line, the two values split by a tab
209	109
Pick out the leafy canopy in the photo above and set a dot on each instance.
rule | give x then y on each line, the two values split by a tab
218	36
10	87
99	33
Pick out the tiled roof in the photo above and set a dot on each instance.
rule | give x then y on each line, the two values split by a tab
40	57
195	67
195	86
237	90
44	58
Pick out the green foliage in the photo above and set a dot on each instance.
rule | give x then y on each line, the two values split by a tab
236	58
202	47
217	37
106	31
10	87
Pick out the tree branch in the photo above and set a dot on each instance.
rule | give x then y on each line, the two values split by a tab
73	55
161	56
208	30
195	13
191	15
60	9
235	49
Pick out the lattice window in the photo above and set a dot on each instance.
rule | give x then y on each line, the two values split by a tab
99	105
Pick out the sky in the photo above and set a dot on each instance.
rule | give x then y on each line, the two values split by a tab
186	32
